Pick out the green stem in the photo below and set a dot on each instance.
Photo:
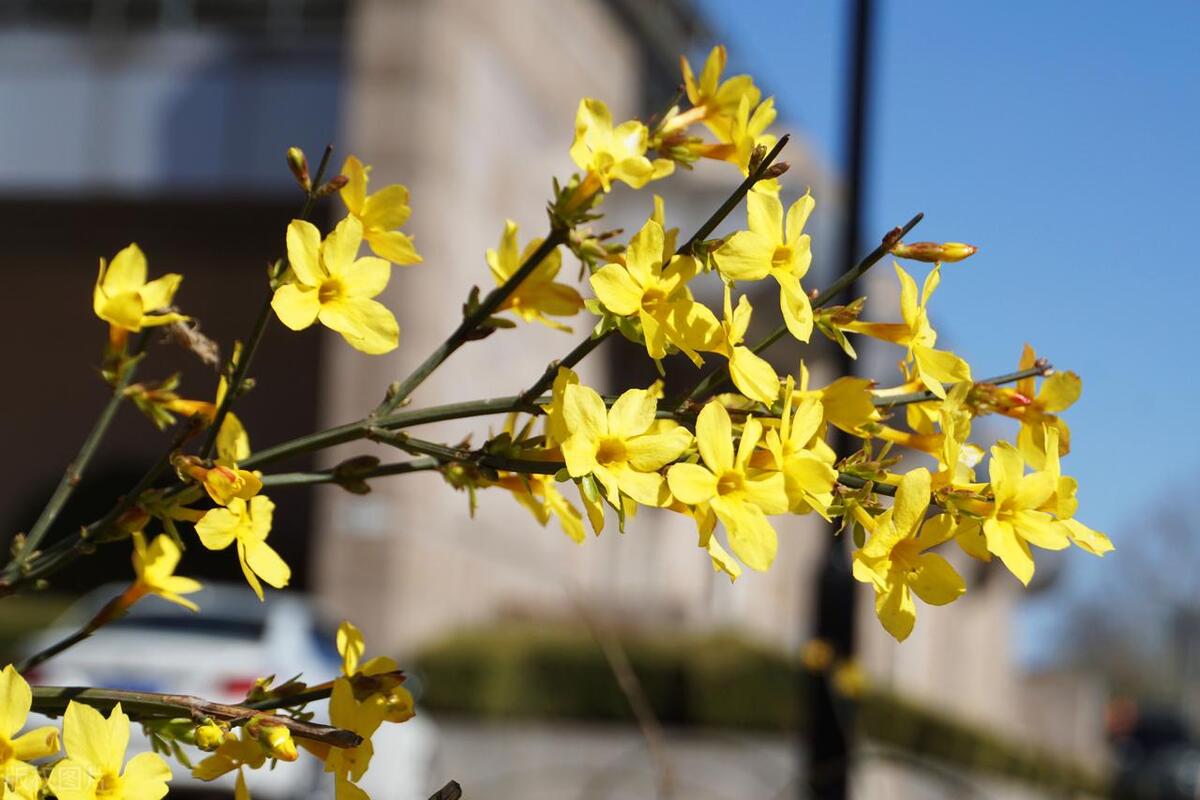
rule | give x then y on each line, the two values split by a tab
242	368
451	455
332	476
74	472
471	322
719	377
154	706
858	482
1037	370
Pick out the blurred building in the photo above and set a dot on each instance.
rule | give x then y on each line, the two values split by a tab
165	121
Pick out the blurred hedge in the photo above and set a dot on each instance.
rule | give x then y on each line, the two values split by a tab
524	670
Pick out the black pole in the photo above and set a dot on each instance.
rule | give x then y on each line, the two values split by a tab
829	728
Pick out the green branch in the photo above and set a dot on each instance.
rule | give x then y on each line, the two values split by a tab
74	472
1040	369
334	476
242	368
154	706
466	329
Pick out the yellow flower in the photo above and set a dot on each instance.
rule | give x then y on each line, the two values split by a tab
607	154
751	374
125	300
1063	503
538	297
16	752
933	367
397	701
95	754
155	569
894	559
234	753
714	101
330	283
740	497
748	131
622	447
380	213
770	248
1036	410
802	456
1015	521
247	524
556	422
657	296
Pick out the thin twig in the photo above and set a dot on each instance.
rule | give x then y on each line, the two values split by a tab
154	706
471	322
74	472
1042	368
242	368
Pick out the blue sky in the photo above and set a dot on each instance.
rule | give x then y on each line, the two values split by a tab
1061	138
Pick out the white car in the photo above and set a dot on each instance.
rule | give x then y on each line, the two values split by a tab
218	654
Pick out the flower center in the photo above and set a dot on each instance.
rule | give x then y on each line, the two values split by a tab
782	257
331	290
6	751
730	482
654	301
109	785
905	554
611	451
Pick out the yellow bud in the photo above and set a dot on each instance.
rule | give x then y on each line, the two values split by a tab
277	741
209	736
298	164
932	252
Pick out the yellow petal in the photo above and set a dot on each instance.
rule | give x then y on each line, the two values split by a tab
159	292
351	646
366	325
714	436
37	743
1060	391
764	215
386	209
366	277
341	246
267	564
797	218
1003	541
616	289
691	483
751	537
122	310
652	452
912	500
15	701
896	610
218	526
753	375
768	492
395	246
304	252
632	414
935	581
145	777
126	272
584	411
796	307
745	256
579	453
296	306
354	193
645	487
69	780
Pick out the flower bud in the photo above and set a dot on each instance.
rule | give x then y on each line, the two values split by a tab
298	164
277	741
334	184
209	736
932	252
